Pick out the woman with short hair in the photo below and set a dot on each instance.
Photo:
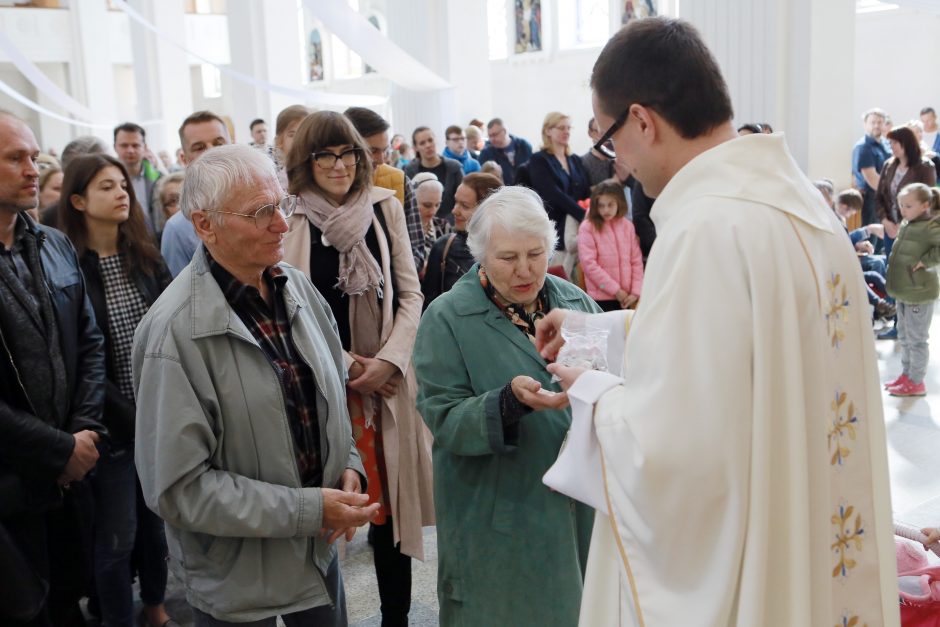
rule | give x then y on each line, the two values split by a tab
429	194
350	238
510	550
166	196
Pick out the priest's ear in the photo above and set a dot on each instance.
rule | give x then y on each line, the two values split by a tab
646	121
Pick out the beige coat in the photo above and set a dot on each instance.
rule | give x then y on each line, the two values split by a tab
405	438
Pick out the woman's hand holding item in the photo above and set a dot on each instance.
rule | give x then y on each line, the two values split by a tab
529	392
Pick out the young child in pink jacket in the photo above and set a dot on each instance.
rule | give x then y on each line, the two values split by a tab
610	250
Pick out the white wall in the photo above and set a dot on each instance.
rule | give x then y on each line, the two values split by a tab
896	59
525	88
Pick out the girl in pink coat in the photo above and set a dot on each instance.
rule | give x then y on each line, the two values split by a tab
610	251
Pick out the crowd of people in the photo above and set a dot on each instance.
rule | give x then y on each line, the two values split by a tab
174	393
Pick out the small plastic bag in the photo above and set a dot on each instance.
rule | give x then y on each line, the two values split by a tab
585	343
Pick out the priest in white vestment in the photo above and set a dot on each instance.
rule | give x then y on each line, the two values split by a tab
743	442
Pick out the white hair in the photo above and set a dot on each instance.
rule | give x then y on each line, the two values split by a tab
518	210
213	178
426	180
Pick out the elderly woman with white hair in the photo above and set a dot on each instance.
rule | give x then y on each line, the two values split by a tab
510	551
429	193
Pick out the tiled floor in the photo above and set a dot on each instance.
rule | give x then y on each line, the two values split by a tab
913	428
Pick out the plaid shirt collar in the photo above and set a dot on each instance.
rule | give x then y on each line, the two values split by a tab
238	293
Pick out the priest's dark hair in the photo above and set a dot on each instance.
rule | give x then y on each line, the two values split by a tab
663	64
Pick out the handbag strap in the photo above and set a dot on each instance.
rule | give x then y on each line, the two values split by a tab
450	240
628	320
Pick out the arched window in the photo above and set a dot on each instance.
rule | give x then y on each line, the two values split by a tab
315	55
528	19
583	23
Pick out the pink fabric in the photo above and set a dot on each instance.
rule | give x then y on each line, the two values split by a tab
612	257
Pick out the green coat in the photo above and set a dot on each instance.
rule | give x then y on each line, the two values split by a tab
917	241
510	551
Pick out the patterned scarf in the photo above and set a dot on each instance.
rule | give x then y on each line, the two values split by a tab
514	312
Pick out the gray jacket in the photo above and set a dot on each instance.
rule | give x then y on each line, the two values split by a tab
214	450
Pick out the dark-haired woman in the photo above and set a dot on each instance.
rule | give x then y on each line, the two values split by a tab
450	258
350	238
906	166
124	274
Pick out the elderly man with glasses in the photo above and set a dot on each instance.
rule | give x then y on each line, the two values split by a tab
244	443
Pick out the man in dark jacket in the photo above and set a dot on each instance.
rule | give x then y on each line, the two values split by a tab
507	150
52	376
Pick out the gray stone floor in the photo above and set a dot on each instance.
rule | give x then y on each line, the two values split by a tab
362	594
913	429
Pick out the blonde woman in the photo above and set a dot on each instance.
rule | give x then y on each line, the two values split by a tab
560	179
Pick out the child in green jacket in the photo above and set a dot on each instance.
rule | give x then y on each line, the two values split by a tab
913	284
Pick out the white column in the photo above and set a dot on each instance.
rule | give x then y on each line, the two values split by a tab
818	115
90	71
789	63
264	42
54	133
469	66
161	70
421	29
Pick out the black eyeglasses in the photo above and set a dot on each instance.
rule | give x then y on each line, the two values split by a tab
265	214
327	160
605	145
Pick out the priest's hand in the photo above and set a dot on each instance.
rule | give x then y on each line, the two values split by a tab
530	392
548	339
567	375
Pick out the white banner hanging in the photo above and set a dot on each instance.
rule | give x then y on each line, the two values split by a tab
375	48
42	82
15	95
316	97
86	117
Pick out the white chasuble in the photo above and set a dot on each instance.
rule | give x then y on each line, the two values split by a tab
744	449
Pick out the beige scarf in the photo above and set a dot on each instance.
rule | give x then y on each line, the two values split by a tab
360	276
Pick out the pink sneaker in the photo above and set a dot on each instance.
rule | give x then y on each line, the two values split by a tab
903	378
908	388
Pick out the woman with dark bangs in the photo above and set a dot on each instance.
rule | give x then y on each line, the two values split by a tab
124	274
